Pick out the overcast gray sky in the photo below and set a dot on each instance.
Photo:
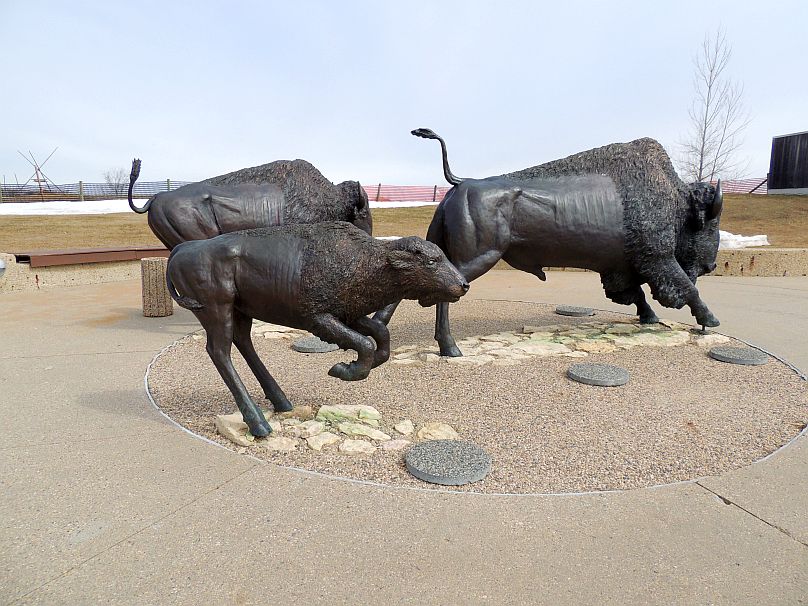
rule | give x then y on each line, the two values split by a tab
196	89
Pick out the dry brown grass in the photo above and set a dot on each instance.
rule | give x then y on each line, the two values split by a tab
783	218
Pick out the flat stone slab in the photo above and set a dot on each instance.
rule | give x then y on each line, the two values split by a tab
575	312
739	355
602	375
313	345
448	462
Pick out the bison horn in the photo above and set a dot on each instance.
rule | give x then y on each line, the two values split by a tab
718	201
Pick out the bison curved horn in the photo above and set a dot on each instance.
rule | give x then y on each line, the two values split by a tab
718	202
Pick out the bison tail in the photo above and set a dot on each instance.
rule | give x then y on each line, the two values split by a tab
132	178
182	301
426	133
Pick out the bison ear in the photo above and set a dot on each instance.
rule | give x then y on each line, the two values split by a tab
717	204
698	210
400	259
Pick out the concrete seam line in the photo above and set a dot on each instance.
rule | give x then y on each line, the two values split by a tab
134	533
754	515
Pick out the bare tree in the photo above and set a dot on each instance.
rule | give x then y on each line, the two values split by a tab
718	117
117	179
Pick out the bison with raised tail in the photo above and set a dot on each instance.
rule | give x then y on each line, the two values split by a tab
619	210
277	193
325	278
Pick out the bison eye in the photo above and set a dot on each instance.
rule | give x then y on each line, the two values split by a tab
431	262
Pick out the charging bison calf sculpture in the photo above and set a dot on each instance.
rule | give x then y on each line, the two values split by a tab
277	193
619	210
325	278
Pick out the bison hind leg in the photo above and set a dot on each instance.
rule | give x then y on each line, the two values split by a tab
242	326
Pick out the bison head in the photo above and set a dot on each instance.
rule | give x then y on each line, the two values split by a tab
698	242
354	195
424	272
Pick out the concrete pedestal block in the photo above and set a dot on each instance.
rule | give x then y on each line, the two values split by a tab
157	303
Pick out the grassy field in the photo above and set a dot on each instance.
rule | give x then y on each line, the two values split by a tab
783	218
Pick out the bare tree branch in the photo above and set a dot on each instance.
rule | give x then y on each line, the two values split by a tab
717	115
117	179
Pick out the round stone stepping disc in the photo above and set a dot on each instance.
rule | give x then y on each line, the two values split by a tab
572	310
313	345
602	375
448	462
739	355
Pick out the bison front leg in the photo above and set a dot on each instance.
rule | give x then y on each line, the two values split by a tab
672	287
384	315
329	329
376	329
243	341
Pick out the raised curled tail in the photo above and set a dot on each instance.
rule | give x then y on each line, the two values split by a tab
182	301
425	133
132	178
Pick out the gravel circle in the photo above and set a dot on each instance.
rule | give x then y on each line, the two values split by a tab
682	416
601	375
448	462
739	355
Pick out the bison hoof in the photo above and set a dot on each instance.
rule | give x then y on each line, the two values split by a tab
259	428
652	319
284	406
452	351
348	372
708	320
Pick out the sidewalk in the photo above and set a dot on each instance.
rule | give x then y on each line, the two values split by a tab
104	501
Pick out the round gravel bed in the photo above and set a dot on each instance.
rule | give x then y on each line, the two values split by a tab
683	415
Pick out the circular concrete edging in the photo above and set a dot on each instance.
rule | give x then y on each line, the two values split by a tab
373	482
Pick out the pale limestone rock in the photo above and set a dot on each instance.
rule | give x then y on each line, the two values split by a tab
320	440
359	429
428	357
291	422
394	445
437	431
501	337
542	348
234	429
276	335
349	412
623	329
405	427
595	346
279	444
306	429
406	362
673	325
275	425
551	328
405	348
356	447
198	337
406	355
709	340
541	336
478	360
303	413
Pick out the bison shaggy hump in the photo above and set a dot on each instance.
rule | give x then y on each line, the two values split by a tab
303	186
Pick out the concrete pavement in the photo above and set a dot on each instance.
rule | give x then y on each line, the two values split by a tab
103	501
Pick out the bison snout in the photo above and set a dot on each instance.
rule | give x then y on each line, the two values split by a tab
465	286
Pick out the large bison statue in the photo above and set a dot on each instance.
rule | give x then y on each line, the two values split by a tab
324	277
619	210
272	194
